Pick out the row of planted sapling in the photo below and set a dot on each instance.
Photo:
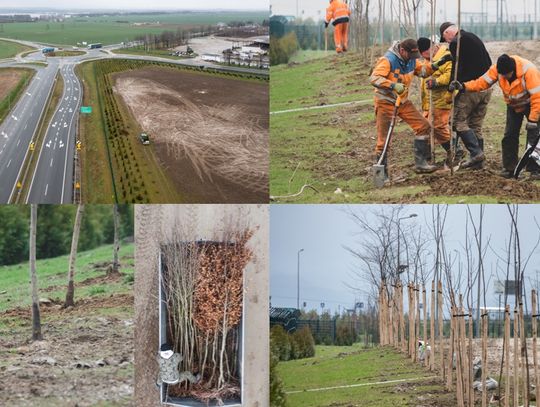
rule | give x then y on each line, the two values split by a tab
202	296
433	303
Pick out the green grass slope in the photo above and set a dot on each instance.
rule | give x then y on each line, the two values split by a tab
52	277
335	366
331	148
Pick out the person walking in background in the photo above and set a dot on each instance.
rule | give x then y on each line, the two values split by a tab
469	108
519	80
338	13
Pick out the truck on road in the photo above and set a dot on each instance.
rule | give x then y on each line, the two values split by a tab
94	46
47	50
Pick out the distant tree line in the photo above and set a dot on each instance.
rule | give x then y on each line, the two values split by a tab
281	49
55	228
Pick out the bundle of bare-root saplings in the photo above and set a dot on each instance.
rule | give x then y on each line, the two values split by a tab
203	285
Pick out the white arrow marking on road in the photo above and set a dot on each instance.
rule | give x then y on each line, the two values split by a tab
65	125
54	124
61	144
14	118
61	110
28	94
48	144
70	110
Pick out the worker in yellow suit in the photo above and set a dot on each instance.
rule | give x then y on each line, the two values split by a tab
338	13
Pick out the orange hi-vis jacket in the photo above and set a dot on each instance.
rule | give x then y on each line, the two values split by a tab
522	92
390	69
337	11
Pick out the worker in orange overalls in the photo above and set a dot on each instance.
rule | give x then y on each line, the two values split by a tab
391	77
339	12
437	86
519	80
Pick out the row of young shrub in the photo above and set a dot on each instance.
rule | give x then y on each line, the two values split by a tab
298	345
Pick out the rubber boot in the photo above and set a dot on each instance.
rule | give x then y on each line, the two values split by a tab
460	154
422	154
472	144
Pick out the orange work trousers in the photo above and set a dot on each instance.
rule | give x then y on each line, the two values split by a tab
441	123
341	36
384	111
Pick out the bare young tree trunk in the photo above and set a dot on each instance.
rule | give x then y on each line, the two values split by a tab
73	256
116	244
36	320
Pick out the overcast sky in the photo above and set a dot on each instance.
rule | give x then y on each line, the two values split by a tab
326	267
138	4
446	9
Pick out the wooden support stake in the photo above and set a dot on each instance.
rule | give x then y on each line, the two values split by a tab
535	349
424	331
434	348
417	321
485	322
402	319
523	354
515	370
507	356
459	354
470	374
451	347
440	322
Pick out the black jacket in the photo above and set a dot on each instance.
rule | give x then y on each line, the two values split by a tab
474	60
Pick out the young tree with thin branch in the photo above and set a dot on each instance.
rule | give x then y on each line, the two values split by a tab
73	256
116	245
36	320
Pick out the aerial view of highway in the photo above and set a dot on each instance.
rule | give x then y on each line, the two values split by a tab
99	115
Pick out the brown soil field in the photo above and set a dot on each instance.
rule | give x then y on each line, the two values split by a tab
9	77
210	133
86	357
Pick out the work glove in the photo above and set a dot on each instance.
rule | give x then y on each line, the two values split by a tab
531	125
446	58
456	85
325	24
431	83
398	87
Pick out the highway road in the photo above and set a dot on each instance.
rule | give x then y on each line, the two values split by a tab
19	128
52	180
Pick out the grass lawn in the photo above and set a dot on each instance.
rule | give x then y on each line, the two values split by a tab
9	49
119	28
332	148
353	365
53	273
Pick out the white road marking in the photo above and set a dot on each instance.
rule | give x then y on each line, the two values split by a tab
51	161
8	164
46	189
14	118
18	142
25	126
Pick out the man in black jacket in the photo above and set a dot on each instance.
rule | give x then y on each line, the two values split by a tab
469	108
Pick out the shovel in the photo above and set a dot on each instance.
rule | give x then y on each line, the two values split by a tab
526	157
378	169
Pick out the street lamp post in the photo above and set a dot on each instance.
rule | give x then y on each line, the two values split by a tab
412	215
298	280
